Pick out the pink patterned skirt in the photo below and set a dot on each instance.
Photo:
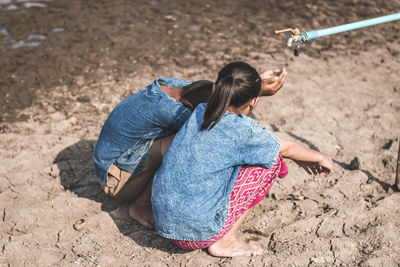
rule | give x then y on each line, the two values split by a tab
252	185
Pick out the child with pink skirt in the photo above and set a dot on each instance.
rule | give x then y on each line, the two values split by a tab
220	164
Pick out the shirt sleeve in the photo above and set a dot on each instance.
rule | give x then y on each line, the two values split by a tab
179	117
174	82
261	147
170	114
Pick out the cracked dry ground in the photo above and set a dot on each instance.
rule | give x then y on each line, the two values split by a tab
341	97
349	218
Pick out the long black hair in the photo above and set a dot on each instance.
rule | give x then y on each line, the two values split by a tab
196	93
237	84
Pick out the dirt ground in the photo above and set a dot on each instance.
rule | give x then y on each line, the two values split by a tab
65	64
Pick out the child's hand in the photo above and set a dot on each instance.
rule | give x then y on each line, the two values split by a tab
272	81
326	165
322	167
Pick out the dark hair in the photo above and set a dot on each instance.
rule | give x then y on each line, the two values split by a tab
237	84
196	93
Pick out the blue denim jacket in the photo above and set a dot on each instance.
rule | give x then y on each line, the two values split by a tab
191	190
127	133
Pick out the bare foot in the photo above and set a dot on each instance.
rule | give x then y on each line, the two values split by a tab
143	214
234	248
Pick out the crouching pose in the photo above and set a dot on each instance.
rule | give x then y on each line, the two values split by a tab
220	164
136	134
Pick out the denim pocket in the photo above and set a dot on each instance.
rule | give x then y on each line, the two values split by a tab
132	160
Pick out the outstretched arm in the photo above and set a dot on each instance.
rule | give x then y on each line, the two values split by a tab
312	161
272	81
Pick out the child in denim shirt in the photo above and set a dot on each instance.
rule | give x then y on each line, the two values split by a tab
129	149
220	164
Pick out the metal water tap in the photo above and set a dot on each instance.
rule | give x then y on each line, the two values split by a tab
297	38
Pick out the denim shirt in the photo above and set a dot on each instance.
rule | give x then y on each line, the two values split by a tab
191	190
127	134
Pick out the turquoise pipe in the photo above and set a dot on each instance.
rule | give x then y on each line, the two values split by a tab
311	35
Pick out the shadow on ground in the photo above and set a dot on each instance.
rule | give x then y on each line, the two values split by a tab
353	165
77	175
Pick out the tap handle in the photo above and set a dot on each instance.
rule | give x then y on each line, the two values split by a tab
294	31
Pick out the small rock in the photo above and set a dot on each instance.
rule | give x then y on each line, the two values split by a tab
79	224
83	99
170	18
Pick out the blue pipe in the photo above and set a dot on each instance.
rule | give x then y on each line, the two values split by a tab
311	35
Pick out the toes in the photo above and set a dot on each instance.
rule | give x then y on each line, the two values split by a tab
233	249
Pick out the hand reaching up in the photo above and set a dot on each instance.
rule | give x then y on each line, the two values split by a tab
272	81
